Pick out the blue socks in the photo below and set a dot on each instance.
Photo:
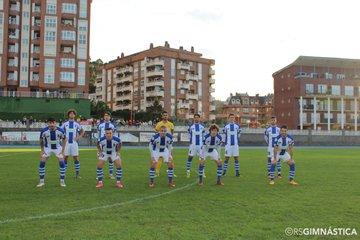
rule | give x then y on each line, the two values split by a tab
188	163
170	174
152	174
42	170
100	174
62	169
118	174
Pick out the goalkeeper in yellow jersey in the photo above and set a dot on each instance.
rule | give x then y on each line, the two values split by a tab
169	128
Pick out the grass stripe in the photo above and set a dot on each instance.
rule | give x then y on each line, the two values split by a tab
60	214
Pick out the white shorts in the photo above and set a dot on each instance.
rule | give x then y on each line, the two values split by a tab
284	157
232	151
214	155
56	152
194	150
165	155
71	149
105	157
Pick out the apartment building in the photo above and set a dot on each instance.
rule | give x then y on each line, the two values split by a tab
182	81
318	93
249	110
44	45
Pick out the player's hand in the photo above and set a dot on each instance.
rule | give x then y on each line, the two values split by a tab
273	161
42	153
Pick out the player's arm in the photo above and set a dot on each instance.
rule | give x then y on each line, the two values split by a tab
98	148
172	128
266	136
63	144
81	133
118	147
41	145
290	151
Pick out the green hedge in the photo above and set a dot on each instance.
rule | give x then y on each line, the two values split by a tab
41	108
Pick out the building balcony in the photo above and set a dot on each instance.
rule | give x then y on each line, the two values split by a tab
15	7
124	88
192	96
184	66
155	94
185	86
183	105
127	69
155	62
211	90
211	72
192	77
155	83
212	99
212	108
211	80
155	73
127	79
127	97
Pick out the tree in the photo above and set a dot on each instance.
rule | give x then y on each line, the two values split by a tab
94	68
98	108
155	111
122	114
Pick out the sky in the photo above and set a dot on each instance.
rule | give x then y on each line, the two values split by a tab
249	40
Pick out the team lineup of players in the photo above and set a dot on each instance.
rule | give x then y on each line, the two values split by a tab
63	143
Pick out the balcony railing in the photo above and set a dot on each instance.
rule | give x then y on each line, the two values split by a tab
192	96
156	61
183	105
192	77
184	66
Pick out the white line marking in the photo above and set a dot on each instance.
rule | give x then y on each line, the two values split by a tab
8	155
12	220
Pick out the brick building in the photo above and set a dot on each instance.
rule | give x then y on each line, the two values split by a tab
249	110
182	81
318	93
44	45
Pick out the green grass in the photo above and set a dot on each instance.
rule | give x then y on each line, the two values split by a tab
245	208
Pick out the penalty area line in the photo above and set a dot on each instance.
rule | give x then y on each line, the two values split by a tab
66	213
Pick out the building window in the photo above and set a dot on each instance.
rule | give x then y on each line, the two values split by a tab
82	39
335	90
49	73
50	36
69	8
309	88
322	89
68	63
349	91
50	8
67	77
50	22
328	76
68	35
340	76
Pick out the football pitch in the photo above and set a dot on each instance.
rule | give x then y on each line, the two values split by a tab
245	208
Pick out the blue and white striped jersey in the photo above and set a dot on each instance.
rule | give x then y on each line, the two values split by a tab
104	125
52	138
71	129
159	144
232	133
109	146
197	132
271	134
284	143
210	143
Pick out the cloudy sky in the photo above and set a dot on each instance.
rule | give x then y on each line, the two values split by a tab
248	39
